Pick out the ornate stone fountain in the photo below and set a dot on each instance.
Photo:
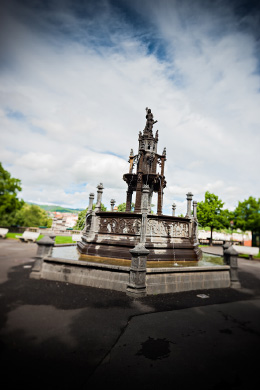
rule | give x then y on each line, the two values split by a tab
167	237
137	252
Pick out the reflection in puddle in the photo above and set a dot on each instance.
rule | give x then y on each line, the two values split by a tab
71	253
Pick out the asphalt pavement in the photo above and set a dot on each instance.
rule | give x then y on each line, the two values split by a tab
63	336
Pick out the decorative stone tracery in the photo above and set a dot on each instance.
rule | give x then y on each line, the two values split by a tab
120	225
165	228
132	226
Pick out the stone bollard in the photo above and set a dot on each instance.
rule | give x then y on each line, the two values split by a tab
225	247
173	209
89	213
189	199
112	203
137	278
230	258
90	202
52	236
99	197
45	246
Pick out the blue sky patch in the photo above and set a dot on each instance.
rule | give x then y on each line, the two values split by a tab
80	187
16	115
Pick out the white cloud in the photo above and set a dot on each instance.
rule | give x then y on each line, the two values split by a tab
72	104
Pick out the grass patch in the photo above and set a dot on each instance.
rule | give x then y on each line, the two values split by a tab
243	255
58	239
64	240
15	236
247	256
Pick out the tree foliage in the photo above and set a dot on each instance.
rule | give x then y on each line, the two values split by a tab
14	211
210	213
247	215
82	217
81	220
32	216
9	202
122	207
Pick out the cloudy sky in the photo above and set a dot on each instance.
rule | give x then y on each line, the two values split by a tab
76	77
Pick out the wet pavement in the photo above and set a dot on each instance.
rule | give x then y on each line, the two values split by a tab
59	335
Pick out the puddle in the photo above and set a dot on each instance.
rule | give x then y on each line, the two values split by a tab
155	349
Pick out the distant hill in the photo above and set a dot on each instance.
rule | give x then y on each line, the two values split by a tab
60	209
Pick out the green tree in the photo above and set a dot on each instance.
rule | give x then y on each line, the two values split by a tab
122	207
81	220
32	216
82	217
247	215
9	202
210	213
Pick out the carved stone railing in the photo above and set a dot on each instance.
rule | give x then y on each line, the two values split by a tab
118	223
130	224
161	228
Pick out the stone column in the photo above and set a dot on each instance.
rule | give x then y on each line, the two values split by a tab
129	194
230	258
189	199
160	192
145	198
160	200
112	202
195	222
131	161
90	202
163	158
195	209
99	196
89	212
150	197
144	211
137	277
173	209
138	198
44	249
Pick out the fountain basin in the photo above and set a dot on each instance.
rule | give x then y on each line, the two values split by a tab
67	265
167	237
